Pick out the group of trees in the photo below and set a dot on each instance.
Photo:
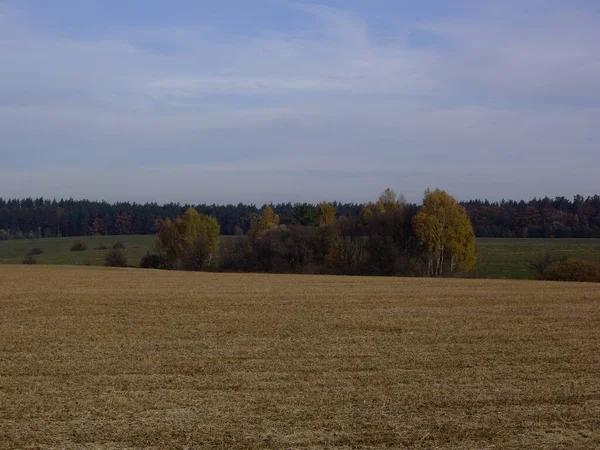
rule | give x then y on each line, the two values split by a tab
388	237
189	242
29	218
538	218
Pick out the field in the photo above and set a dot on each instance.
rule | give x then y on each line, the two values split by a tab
94	357
497	258
58	250
509	258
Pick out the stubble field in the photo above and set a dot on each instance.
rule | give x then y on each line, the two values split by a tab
123	358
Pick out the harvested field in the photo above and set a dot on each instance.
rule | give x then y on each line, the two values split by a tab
124	358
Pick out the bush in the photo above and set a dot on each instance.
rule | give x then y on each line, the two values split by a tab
155	260
35	251
101	247
119	246
78	246
30	259
541	263
115	258
573	270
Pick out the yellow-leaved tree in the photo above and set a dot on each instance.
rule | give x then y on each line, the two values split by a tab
268	219
325	213
444	228
388	201
190	241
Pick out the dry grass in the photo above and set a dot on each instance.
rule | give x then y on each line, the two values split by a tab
124	358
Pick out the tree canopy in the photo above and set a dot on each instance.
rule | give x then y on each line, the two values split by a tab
190	241
559	217
325	213
267	220
443	227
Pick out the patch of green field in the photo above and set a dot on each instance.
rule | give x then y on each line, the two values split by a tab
510	258
58	250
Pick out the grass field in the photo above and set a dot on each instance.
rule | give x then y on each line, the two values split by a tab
510	258
58	250
497	258
125	358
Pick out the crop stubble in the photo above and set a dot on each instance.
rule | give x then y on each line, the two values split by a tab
126	358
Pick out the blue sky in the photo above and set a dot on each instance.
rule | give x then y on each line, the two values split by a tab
278	100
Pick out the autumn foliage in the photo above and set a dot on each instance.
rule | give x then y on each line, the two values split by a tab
190	241
325	213
267	220
443	227
390	237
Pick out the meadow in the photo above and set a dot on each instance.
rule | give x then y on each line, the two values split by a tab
496	258
95	357
510	258
58	250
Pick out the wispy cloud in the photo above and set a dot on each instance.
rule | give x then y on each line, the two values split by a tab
438	101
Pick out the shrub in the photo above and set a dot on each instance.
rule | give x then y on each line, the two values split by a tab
115	258
573	270
35	251
119	246
546	259
30	259
101	247
78	246
155	260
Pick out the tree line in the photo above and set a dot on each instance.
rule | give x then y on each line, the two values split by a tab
388	237
538	218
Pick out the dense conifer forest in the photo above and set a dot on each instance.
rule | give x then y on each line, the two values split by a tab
538	218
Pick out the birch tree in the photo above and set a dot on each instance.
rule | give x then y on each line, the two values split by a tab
444	228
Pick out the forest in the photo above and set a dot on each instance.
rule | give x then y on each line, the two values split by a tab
34	218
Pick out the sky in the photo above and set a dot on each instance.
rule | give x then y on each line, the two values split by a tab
273	100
